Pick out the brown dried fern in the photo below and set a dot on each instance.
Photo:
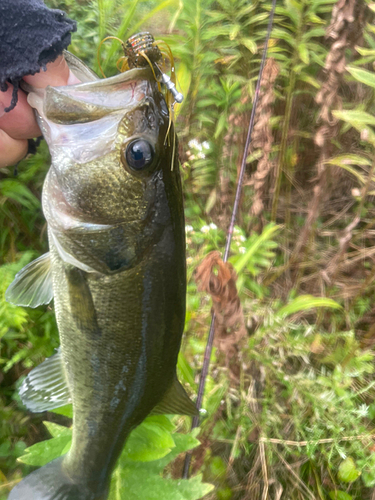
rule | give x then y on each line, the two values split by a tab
218	278
262	138
344	30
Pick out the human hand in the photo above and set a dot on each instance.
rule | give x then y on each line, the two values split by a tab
20	124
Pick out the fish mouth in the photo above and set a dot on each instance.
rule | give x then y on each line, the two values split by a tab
63	112
90	101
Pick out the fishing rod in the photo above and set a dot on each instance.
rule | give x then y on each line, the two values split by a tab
210	340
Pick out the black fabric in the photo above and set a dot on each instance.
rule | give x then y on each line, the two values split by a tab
31	35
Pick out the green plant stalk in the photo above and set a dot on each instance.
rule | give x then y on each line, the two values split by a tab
290	177
102	19
196	73
305	254
284	142
318	483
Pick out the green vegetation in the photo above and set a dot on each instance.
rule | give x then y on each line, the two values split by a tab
290	403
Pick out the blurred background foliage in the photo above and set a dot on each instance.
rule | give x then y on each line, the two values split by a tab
291	403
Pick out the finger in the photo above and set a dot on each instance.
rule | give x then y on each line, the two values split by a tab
11	150
20	123
57	74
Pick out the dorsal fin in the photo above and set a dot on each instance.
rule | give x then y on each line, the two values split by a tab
46	387
32	286
176	401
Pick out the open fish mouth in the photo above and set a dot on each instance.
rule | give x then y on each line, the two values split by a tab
64	112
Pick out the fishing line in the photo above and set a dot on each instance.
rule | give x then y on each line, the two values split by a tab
208	350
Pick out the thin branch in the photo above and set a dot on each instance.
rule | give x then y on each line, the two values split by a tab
319	441
264	469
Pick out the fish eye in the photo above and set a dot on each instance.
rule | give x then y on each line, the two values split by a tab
139	154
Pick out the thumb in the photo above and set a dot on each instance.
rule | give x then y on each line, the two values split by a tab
57	74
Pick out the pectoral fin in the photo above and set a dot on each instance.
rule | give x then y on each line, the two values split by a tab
176	401
81	304
46	387
32	286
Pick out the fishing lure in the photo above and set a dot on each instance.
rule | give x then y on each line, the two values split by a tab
141	50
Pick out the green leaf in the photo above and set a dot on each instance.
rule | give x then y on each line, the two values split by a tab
362	75
349	159
15	190
250	44
41	453
258	242
183	77
360	121
339	495
57	430
211	200
345	162
144	480
355	116
183	442
146	486
348	471
365	52
186	370
303	52
305	302
151	444
309	79
284	35
151	440
368	478
236	28
313	18
66	410
221	125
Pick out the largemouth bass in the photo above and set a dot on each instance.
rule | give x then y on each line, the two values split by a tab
116	270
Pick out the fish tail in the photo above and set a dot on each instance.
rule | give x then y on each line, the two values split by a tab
51	482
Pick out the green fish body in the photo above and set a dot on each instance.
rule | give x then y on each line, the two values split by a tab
113	202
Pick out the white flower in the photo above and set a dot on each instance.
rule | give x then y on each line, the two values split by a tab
242	250
213	226
189	260
206	145
242	238
362	411
205	229
188	228
193	143
201	155
236	230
